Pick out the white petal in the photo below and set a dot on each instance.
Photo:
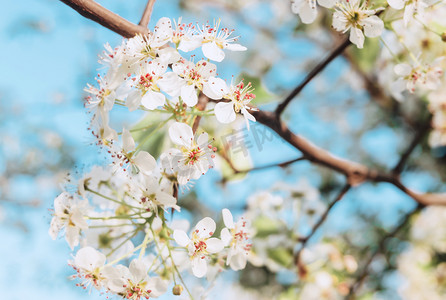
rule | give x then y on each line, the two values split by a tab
327	3
152	100
357	37
72	236
199	267
214	245
157	286
78	219
144	161
235	47
227	218
171	84
224	112
212	51
373	26
238	261
162	32
203	139
187	45
206	227
166	199
133	100
181	134
128	143
89	258
402	69
396	4
307	13
181	238
138	269
226	236
189	94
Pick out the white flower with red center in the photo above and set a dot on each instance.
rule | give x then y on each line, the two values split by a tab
214	40
134	282
68	214
307	9
236	236
187	78
200	245
140	48
194	157
145	86
150	194
183	36
101	98
411	7
89	264
356	17
411	77
127	156
240	95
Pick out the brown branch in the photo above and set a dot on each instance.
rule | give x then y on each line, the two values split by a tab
93	11
145	19
317	69
318	224
201	105
356	173
423	130
380	249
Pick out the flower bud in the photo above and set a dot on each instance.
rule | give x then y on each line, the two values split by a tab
177	290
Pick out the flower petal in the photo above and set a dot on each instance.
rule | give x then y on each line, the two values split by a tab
224	112
212	51
181	134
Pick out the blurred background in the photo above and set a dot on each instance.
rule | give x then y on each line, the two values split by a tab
49	53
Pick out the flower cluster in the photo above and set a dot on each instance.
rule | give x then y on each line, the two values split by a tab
412	36
118	214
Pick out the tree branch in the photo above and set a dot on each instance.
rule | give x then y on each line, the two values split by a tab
145	19
416	140
381	248
317	69
97	13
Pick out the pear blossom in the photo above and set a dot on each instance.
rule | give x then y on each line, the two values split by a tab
235	235
183	36
194	157
200	245
146	91
307	9
187	78
134	282
355	16
69	214
411	7
127	157
102	98
239	95
89	264
151	195
410	77
141	48
214	40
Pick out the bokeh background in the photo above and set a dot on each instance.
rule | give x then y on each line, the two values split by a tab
49	53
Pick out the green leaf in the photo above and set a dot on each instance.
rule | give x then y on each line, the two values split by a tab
281	256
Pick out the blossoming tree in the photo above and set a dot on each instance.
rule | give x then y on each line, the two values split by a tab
121	218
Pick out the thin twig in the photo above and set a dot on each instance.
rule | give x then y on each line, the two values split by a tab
145	19
381	248
95	12
416	140
317	69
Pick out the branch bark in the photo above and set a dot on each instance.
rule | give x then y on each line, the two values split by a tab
317	69
145	19
99	14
